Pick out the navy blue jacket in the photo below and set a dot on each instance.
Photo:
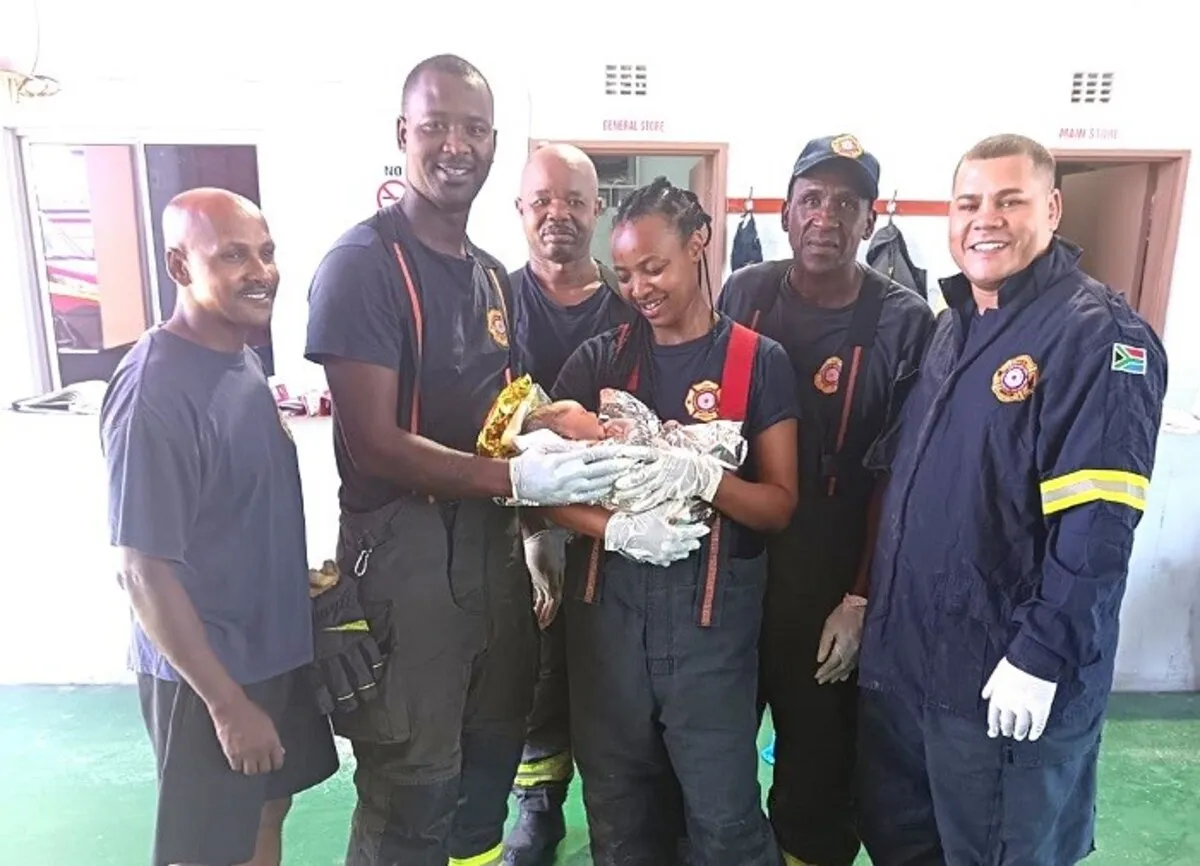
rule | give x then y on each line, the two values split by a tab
1020	468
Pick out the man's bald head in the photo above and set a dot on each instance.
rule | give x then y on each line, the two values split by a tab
195	215
565	157
559	203
221	255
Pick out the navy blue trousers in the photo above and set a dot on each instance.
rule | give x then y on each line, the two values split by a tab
934	789
664	716
546	763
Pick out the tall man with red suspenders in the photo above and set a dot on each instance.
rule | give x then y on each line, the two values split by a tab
855	340
411	322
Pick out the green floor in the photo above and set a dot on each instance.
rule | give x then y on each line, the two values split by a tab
78	785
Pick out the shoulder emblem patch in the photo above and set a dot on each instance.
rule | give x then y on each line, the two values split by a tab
827	377
1015	379
703	401
498	328
1128	359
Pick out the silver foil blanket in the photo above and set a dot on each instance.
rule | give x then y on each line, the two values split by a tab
628	419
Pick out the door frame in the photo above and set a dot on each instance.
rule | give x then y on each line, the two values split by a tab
48	355
715	154
1168	182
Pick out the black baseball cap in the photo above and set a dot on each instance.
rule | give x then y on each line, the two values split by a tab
845	147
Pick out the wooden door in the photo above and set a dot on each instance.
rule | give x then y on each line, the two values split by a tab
1107	212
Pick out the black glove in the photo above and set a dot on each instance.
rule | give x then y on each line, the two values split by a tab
347	663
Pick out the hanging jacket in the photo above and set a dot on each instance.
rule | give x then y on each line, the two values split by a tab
888	254
747	250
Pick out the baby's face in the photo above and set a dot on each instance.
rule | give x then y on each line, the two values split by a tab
572	421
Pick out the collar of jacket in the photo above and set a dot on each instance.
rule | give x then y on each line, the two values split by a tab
1059	259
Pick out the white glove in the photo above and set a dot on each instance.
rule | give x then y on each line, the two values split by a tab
1019	703
676	474
568	478
546	556
837	653
652	537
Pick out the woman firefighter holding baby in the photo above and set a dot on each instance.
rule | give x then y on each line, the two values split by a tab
663	610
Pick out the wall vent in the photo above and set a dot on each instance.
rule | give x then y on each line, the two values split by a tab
1091	87
624	79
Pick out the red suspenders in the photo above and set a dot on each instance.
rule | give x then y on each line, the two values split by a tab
734	401
864	322
414	299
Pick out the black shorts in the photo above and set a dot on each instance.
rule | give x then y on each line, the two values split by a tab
207	813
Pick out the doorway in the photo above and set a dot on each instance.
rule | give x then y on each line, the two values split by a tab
84	210
623	166
95	212
1124	208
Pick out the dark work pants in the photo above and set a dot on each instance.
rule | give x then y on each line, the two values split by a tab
934	789
447	594
663	714
546	764
810	801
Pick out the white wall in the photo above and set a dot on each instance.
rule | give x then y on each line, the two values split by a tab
320	104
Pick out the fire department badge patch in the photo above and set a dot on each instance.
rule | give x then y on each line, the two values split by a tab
1015	379
847	146
703	401
498	328
827	377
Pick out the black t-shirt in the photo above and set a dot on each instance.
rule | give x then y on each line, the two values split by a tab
813	337
202	472
676	371
545	333
360	310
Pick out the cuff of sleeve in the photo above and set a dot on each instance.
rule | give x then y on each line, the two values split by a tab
1028	655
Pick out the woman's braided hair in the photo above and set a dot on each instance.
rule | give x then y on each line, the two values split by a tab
682	209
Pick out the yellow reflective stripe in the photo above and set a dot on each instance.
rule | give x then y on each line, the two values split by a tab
488	858
556	768
789	860
1094	485
357	625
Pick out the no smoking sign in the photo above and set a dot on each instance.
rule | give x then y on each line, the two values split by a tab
389	192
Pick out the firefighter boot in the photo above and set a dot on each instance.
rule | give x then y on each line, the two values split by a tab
540	826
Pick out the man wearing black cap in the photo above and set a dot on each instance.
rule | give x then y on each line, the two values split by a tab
855	339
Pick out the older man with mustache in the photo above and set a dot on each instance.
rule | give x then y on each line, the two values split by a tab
561	298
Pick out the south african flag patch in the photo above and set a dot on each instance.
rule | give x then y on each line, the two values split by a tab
1128	359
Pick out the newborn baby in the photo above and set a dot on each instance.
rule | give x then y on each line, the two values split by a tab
566	424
